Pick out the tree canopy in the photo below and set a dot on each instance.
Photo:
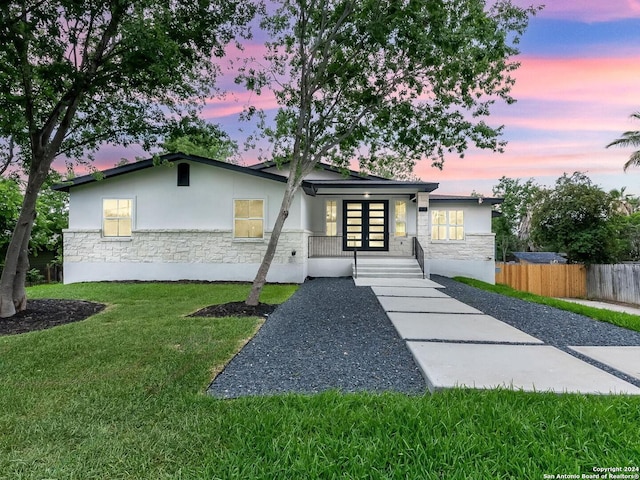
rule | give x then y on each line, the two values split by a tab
577	218
74	75
512	226
197	137
373	80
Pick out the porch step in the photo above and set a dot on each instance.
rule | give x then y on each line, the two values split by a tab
387	268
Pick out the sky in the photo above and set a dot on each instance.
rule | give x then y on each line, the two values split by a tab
577	85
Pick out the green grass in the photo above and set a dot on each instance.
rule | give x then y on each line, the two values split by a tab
622	319
121	396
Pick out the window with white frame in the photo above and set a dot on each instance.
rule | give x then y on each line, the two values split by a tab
401	218
248	219
331	218
447	225
117	214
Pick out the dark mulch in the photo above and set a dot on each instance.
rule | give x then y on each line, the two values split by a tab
236	309
46	313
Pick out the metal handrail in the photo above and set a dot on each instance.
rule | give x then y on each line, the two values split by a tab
355	262
419	252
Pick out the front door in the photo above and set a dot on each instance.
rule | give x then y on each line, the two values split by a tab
365	225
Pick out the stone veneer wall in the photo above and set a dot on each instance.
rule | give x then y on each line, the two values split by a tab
476	246
179	246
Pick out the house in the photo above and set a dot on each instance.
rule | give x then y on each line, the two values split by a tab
539	258
188	217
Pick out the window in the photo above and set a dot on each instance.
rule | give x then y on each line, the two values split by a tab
401	218
183	174
331	218
447	225
248	219
116	217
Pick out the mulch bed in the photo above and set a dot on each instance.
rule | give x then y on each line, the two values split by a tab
236	309
45	313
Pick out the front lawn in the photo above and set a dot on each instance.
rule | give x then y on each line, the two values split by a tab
121	396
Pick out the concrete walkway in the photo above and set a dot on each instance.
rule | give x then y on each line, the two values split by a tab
457	345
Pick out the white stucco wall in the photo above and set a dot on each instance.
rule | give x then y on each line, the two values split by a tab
472	257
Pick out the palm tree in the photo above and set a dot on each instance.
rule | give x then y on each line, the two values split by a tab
630	139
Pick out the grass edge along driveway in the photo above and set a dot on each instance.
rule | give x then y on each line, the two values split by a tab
121	395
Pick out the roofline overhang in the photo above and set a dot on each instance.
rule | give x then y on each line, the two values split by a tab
479	200
152	162
315	187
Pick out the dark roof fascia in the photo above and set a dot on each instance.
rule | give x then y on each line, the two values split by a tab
321	166
311	187
465	199
171	157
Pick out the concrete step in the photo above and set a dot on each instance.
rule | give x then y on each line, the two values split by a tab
386	261
388	274
387	268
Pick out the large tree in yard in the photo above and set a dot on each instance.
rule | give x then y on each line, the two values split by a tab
513	224
75	74
578	218
373	80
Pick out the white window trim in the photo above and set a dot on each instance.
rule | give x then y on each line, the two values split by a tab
326	223
233	220
110	238
447	225
406	217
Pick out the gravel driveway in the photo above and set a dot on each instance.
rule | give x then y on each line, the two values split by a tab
333	335
329	335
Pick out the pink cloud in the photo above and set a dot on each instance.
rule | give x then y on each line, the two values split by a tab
579	79
587	10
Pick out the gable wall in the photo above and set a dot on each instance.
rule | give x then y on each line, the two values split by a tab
159	204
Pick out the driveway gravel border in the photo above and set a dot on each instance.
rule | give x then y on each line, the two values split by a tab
329	335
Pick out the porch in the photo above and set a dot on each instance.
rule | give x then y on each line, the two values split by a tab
406	260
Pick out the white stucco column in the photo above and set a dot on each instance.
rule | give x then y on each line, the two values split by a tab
422	226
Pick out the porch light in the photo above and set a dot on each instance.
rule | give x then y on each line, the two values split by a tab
366	195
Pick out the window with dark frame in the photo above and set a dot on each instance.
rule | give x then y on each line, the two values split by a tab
183	174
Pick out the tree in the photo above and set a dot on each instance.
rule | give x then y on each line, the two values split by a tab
630	235
10	199
362	80
578	218
194	136
512	227
74	75
630	139
52	215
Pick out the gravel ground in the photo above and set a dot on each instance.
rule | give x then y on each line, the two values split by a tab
554	327
333	335
329	335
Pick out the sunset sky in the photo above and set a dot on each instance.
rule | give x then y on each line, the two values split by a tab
577	85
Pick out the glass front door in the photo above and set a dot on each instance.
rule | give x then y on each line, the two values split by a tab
365	225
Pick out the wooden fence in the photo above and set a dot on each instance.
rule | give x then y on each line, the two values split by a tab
551	280
618	283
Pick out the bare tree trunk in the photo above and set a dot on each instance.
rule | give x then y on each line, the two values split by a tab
261	276
13	296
